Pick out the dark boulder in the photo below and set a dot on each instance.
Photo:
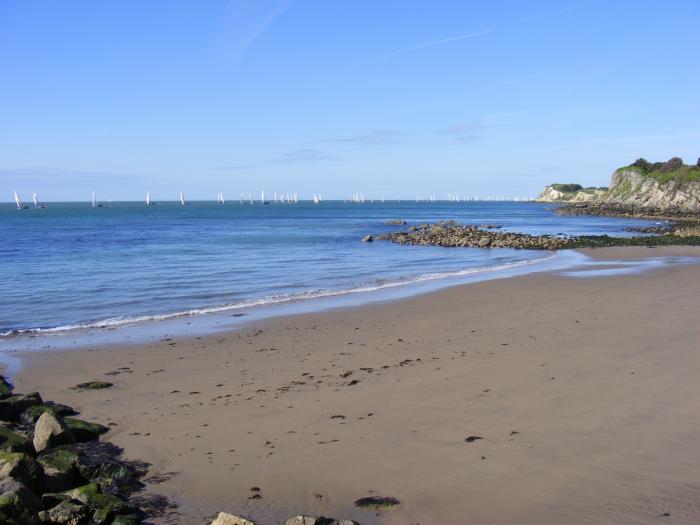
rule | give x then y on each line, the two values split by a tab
18	504
12	406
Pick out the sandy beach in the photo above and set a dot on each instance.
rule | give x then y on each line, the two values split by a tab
584	392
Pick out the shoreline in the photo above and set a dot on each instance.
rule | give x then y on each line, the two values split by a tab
219	414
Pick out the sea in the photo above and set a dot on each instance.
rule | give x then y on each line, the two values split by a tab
71	267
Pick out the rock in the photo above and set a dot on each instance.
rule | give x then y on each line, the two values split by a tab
66	513
51	431
60	468
127	519
23	468
106	507
312	520
484	242
377	502
18	504
368	238
11	441
93	385
223	518
84	431
84	494
99	463
395	221
11	407
30	416
5	388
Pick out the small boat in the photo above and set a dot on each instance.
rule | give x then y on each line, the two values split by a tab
220	198
20	206
182	199
94	201
262	198
35	199
149	202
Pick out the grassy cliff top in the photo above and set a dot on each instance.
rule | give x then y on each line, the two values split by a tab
573	188
668	171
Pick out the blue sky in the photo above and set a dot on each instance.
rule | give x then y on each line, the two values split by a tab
386	97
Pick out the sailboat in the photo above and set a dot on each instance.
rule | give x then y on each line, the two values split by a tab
182	199
94	201
220	198
20	206
149	202
35	199
262	198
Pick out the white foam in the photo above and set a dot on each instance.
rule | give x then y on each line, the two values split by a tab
271	300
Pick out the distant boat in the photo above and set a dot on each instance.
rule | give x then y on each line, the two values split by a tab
316	199
20	206
149	202
220	198
35	199
94	201
182	199
262	198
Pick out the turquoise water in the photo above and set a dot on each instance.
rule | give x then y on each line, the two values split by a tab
70	265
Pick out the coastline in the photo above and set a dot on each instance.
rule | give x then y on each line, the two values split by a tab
594	376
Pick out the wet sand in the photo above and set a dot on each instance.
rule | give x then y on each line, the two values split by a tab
585	393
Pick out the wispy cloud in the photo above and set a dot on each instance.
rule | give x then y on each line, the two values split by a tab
232	167
372	138
303	155
464	131
433	43
246	22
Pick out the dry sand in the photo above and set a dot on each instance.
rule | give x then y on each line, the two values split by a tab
586	393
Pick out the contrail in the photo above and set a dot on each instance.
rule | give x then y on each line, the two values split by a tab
433	43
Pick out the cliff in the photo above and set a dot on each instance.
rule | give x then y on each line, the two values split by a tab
641	187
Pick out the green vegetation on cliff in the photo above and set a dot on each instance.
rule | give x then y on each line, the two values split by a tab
663	172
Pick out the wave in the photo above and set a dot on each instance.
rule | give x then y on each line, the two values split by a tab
272	300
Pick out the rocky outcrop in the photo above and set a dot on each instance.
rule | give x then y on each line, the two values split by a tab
631	188
451	234
48	477
569	193
662	188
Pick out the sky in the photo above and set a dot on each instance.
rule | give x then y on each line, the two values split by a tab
387	97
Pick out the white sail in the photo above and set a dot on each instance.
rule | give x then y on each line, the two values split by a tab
148	198
262	197
20	206
221	198
182	199
94	199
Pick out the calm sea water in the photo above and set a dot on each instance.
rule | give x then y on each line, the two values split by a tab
70	265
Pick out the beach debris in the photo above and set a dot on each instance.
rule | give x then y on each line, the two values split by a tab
93	385
313	520
51	431
224	518
471	439
377	502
